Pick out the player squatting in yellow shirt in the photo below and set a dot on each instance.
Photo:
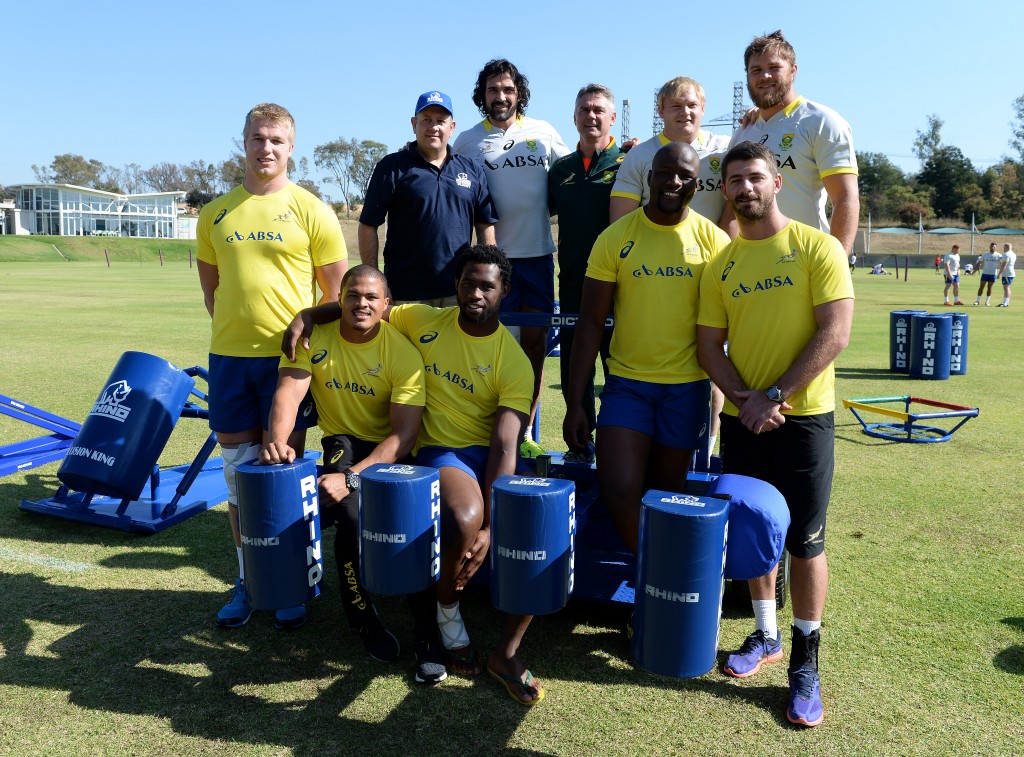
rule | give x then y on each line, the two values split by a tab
265	245
467	377
753	286
656	290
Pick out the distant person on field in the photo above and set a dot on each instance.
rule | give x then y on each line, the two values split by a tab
879	270
779	382
952	266
989	268
938	263
853	262
433	200
262	248
1006	273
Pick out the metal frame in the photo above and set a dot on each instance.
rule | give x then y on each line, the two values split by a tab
909	429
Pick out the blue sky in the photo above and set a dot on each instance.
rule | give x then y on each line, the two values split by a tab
148	82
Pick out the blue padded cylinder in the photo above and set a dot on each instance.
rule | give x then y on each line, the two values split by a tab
758	522
679	583
958	344
279	518
533	538
930	337
126	430
399	528
899	339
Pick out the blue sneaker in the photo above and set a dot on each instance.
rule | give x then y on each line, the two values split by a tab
805	697
236	612
290	618
804	683
757	649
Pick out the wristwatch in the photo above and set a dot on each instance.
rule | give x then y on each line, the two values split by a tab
775	394
352	481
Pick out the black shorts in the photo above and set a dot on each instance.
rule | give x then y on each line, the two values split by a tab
798	459
341	452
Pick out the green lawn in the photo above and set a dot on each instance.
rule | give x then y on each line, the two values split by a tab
107	641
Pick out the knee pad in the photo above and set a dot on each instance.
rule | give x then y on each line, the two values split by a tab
234	455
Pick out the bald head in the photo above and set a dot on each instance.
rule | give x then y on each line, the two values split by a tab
676	153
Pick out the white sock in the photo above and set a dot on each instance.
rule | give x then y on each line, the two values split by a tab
1006	300
453	630
806	627
241	565
764	616
988	300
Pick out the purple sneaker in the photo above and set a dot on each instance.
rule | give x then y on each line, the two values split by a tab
757	649
805	697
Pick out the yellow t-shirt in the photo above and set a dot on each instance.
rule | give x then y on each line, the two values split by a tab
265	248
656	271
467	377
764	292
354	385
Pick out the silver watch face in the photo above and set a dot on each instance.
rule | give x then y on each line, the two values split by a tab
352	480
774	394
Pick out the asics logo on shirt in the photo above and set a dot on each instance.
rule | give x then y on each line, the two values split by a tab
318	356
428	337
508	145
220	216
728	268
626	249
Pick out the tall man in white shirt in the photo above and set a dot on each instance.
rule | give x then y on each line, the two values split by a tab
516	152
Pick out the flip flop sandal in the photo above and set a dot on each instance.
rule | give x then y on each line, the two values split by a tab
509	681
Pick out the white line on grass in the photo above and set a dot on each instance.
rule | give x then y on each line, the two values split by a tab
48	562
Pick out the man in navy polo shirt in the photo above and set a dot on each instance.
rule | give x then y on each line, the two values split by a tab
433	200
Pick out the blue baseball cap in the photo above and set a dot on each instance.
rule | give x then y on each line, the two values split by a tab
435	98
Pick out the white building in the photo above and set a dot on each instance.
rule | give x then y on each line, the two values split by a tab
67	210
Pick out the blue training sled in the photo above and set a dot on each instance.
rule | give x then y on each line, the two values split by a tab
109	476
29	453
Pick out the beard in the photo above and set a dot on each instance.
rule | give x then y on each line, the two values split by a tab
770	98
485	315
753	210
501	112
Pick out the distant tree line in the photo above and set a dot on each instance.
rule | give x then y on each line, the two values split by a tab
948	185
345	163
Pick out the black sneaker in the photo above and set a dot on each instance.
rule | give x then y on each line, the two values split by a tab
430	667
378	641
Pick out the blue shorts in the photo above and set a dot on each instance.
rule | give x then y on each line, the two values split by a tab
533	285
472	460
241	392
674	415
1008	281
988	277
953	279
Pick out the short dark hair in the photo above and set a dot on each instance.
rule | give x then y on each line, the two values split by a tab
487	254
364	271
750	151
497	67
770	43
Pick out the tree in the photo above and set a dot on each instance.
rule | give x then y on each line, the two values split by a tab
928	141
1017	127
949	174
366	159
877	175
1004	188
164	177
196	198
70	169
305	182
349	163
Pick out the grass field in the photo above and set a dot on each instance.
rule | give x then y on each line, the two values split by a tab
107	641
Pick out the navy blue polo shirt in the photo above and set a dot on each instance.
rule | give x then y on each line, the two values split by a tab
431	213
